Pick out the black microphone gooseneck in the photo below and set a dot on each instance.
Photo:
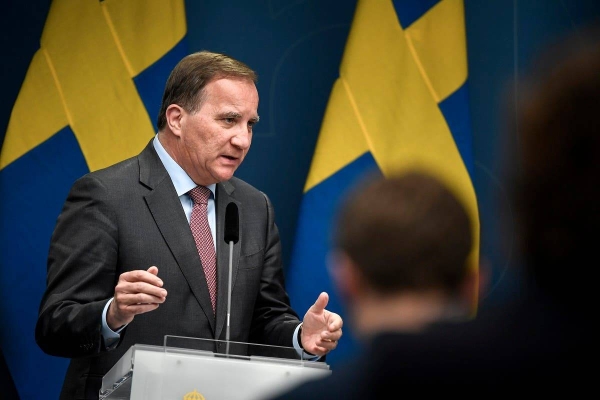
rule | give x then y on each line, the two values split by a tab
232	235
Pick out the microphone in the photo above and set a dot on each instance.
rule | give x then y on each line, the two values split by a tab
232	223
232	235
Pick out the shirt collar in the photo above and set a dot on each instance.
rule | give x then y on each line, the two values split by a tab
181	180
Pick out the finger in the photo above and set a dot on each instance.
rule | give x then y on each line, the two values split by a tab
142	276
333	336
321	302
124	302
122	313
335	323
127	299
327	345
135	309
153	270
127	287
141	288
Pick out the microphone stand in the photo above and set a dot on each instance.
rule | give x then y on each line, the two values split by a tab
229	297
232	226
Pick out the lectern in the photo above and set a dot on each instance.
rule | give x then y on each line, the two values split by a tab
203	369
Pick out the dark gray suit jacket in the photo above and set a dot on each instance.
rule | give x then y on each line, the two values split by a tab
128	217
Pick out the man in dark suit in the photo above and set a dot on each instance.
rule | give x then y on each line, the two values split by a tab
124	267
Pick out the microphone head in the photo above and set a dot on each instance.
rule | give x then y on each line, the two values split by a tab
232	223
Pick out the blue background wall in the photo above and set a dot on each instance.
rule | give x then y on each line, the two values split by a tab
296	48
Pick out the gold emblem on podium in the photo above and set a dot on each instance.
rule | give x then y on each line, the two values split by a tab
193	396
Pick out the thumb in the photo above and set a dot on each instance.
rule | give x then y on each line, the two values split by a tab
153	270
321	302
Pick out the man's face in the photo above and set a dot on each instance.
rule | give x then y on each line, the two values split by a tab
215	139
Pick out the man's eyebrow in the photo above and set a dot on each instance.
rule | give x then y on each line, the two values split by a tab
236	115
231	114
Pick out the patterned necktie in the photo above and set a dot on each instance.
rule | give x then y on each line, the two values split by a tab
203	238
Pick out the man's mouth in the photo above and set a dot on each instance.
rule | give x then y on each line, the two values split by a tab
229	158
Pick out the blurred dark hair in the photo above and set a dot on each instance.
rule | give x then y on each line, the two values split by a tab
406	231
557	176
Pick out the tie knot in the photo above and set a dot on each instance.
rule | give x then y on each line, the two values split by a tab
200	194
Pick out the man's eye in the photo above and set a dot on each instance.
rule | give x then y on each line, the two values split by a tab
230	120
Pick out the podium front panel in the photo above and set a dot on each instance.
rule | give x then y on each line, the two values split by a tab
154	372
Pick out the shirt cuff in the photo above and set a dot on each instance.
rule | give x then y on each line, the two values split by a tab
110	337
304	355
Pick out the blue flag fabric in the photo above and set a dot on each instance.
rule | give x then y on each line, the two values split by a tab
89	99
400	102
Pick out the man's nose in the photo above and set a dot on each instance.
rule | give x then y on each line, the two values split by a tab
242	139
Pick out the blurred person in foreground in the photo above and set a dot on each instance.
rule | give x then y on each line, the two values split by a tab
541	342
126	265
400	263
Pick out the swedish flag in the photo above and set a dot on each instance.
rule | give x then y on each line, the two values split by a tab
400	102
89	99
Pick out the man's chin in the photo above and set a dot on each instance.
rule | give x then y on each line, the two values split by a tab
224	175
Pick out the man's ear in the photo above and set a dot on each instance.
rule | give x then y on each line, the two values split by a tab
174	114
475	286
345	275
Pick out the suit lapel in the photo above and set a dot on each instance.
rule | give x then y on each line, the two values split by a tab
165	206
224	194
